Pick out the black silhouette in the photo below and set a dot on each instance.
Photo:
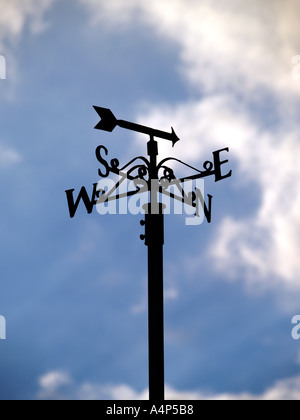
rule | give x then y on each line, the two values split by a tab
143	172
109	122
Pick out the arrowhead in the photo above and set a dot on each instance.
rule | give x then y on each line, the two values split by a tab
108	120
175	138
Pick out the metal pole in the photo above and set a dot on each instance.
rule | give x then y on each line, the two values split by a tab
154	240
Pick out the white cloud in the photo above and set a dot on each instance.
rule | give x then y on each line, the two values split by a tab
241	46
215	121
15	14
8	157
52	385
15	17
264	244
238	57
114	12
171	294
56	385
120	392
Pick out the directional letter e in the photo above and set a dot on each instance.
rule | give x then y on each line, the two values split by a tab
2	67
2	328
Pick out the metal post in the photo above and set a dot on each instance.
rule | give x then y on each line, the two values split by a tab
154	240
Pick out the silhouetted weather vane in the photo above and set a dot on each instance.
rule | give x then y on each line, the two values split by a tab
152	177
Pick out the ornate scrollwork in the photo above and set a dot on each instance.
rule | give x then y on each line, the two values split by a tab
169	173
141	172
126	171
148	176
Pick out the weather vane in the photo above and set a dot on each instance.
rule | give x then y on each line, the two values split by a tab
155	179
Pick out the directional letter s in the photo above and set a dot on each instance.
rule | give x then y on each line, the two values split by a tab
102	161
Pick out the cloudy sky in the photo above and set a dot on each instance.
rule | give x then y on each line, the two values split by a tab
74	292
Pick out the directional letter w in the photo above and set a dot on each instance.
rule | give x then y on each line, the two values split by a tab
83	195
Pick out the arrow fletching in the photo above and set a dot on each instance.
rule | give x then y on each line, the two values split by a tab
108	120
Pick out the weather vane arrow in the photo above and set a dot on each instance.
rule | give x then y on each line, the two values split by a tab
109	122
